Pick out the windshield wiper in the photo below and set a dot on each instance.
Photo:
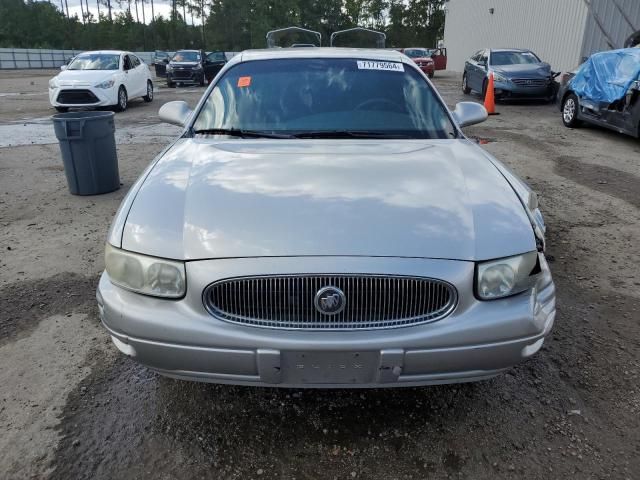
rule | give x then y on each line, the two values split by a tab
237	132
349	134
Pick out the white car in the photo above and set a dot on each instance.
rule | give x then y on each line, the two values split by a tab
108	78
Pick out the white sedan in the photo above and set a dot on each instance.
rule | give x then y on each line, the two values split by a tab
108	78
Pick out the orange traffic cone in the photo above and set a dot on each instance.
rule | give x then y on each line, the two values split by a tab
489	97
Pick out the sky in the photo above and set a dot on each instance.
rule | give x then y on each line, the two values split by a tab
161	7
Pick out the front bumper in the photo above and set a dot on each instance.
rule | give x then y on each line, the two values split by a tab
185	76
102	97
511	90
180	339
428	69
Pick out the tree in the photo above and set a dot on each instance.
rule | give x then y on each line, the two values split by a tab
223	24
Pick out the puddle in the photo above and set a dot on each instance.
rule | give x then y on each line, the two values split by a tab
39	131
21	94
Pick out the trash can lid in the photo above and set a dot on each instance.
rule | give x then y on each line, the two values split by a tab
82	115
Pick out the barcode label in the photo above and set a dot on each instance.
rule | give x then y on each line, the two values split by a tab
373	65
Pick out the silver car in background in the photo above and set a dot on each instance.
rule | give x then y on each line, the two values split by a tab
323	222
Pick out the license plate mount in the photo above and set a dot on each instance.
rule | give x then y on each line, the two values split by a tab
329	367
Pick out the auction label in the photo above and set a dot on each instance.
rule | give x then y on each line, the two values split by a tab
373	65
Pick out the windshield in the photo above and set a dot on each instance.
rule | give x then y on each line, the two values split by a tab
417	52
217	57
186	57
513	58
95	61
288	96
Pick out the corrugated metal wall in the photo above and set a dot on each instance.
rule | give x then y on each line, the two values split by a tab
553	29
618	18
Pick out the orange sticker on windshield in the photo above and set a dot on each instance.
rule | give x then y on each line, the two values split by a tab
244	81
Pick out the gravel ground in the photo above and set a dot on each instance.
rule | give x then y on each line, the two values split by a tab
71	407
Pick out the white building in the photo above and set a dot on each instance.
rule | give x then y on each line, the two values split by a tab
561	32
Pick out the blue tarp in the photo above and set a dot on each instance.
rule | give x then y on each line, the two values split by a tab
606	76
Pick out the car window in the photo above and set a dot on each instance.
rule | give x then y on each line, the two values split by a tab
320	95
483	57
476	56
513	58
135	61
127	62
416	52
95	61
217	57
186	57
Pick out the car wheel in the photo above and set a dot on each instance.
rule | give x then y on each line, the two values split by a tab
170	84
570	107
149	96
484	88
202	82
465	86
62	109
121	106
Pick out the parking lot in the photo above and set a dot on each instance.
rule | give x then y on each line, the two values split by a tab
72	407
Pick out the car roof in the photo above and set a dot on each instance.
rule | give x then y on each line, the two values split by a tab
509	50
114	52
322	52
188	50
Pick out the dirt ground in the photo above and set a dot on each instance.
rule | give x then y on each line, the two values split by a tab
72	407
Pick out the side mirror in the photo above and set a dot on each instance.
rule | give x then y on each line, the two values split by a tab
63	67
483	64
469	113
175	113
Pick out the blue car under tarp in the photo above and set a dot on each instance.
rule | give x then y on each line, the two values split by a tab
606	76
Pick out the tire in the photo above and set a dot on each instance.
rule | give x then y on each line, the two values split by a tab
170	84
465	86
149	96
484	89
62	109
123	99
202	81
570	106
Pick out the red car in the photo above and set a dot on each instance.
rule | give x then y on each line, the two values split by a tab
422	57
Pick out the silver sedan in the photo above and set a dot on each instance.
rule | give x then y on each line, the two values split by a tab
323	222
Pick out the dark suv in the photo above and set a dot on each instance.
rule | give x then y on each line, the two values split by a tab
194	67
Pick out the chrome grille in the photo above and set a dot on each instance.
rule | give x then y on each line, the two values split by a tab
372	301
530	82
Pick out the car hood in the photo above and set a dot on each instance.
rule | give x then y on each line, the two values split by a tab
210	198
524	70
184	64
83	77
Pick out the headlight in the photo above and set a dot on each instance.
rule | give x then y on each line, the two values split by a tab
198	67
143	274
169	67
506	276
53	83
498	77
106	84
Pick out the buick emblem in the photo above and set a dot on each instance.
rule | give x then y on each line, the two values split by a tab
330	300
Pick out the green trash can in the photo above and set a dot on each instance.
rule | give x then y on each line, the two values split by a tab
88	147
